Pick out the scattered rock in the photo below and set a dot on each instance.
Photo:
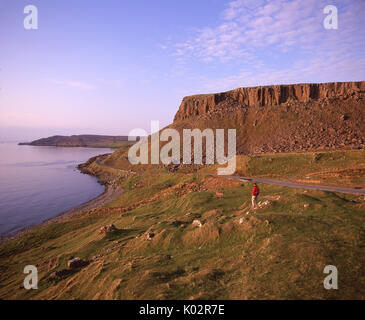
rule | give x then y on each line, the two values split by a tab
242	220
61	273
108	229
306	205
197	223
150	235
263	204
76	263
173	167
218	195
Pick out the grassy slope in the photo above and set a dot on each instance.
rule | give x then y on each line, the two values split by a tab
342	168
278	252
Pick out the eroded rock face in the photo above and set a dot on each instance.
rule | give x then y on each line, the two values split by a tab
267	96
282	118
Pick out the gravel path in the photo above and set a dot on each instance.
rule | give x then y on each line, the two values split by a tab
360	191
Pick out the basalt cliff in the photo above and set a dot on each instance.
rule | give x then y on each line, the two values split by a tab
282	118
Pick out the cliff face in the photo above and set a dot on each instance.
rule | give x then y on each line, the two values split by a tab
268	96
282	118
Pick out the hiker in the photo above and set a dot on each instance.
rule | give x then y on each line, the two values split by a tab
255	194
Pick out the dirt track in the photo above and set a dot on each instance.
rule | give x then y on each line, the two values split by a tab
300	185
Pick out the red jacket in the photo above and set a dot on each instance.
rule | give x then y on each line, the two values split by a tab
255	191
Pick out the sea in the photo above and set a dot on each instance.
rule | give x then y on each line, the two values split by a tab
39	183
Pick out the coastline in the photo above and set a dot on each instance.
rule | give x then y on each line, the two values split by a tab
110	193
70	146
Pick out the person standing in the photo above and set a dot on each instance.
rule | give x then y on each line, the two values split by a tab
255	194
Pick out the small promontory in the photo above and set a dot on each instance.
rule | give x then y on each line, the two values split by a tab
86	140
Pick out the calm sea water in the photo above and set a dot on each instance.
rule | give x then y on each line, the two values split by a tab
38	183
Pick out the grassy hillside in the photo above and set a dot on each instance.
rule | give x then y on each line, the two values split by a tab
278	251
342	168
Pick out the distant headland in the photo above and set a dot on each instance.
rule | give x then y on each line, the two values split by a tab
86	140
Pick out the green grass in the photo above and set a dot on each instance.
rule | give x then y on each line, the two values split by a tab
279	252
320	166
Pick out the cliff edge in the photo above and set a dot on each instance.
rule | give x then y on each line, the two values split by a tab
282	118
268	96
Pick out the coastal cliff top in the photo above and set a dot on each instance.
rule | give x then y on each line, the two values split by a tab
267	96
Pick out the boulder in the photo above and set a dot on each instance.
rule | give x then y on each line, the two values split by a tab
197	223
95	257
150	235
76	263
108	229
242	220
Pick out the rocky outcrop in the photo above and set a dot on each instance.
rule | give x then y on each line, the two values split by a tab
107	229
197	223
268	96
76	263
282	118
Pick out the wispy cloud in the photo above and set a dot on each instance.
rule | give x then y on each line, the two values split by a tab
254	33
313	70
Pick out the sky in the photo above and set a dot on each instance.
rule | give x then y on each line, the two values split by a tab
107	67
